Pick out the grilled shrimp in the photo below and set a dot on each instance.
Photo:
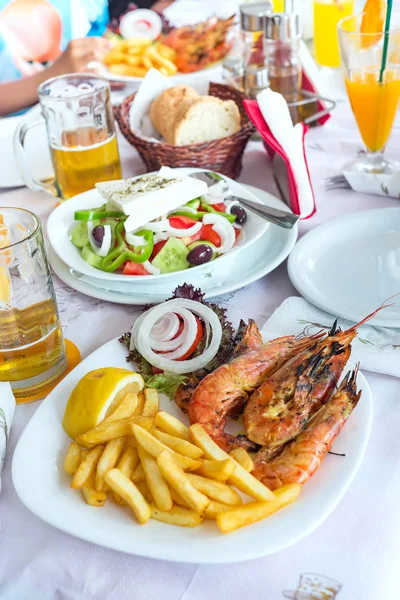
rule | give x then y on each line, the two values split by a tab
299	459
279	409
222	394
248	338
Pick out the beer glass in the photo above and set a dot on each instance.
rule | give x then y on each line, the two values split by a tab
32	351
81	134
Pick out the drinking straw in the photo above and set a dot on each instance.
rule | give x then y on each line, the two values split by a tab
386	38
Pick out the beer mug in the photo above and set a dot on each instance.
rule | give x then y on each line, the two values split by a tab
81	134
32	350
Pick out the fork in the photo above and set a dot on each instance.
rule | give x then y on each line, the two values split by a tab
337	182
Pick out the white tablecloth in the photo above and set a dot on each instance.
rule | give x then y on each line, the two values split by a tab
358	545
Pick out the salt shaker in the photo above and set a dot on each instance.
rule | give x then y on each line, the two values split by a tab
282	49
252	17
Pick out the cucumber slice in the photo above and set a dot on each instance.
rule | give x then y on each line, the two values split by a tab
79	235
90	257
172	257
204	243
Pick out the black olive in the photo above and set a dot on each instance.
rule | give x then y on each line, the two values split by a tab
200	255
241	215
98	235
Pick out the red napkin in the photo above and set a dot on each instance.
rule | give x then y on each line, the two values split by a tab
304	209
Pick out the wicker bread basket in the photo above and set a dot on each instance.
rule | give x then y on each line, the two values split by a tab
223	155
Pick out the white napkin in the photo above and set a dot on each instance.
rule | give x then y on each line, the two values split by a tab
275	111
376	348
7	408
152	85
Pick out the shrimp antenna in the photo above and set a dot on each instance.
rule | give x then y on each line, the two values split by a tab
371	315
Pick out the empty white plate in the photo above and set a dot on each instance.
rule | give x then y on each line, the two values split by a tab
43	487
351	265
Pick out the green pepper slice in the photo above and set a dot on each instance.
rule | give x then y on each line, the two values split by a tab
95	214
122	253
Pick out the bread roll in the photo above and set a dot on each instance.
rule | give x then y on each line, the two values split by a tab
183	117
170	105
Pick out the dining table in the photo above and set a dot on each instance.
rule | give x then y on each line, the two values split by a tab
354	554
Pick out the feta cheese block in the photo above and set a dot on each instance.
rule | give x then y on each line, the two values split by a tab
148	197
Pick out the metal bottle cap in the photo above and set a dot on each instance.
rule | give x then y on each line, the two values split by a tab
252	15
282	26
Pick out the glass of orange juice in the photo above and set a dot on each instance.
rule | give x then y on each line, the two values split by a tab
32	350
374	94
327	14
80	129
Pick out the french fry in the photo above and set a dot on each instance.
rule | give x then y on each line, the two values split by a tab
108	460
171	425
147	62
244	481
159	61
215	490
72	459
141	403
133	60
87	467
128	491
125	408
166	52
179	445
255	511
129	460
157	485
127	70
138	474
154	447
91	496
144	490
177	499
178	515
109	431
151	403
177	479
220	470
243	458
137	42
215	508
115	56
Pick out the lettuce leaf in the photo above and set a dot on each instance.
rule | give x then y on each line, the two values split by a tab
166	384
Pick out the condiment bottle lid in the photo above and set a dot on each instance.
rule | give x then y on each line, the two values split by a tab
252	15
282	26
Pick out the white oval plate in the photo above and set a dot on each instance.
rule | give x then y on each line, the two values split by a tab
210	73
61	219
267	253
351	265
43	487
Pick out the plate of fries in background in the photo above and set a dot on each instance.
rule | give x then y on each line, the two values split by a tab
131	59
145	482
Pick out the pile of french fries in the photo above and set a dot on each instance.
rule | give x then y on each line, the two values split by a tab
147	459
136	56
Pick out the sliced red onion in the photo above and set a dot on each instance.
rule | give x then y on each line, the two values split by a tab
180	345
166	328
224	229
165	227
106	242
135	240
141	340
151	268
187	209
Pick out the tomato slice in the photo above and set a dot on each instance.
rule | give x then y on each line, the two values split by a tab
209	235
237	233
157	247
156	370
196	342
220	207
181	222
189	239
132	268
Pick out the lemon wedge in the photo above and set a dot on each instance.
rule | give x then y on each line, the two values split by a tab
96	395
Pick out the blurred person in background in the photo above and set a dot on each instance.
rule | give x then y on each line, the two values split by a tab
40	39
